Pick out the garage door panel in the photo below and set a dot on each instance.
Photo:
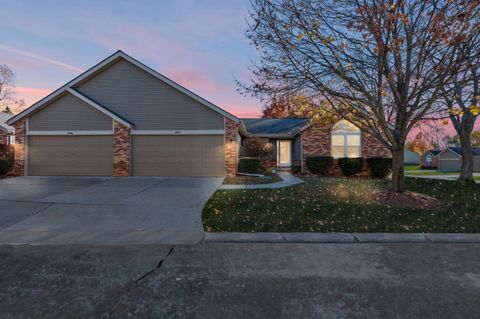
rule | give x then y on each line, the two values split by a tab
449	165
70	155
178	155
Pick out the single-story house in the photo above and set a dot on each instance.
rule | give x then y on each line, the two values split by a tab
450	159
294	140
430	159
6	131
122	118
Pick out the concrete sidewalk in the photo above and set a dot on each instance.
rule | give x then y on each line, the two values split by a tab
287	180
341	238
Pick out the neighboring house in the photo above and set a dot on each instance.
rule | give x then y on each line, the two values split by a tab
450	159
6	131
411	157
122	118
430	159
296	139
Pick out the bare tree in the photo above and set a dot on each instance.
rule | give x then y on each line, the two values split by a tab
6	84
462	102
380	63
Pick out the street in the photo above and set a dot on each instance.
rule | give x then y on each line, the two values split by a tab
241	281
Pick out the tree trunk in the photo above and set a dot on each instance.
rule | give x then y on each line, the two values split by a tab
398	173
466	171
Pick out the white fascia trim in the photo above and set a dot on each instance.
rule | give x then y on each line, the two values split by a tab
178	87
178	132
29	133
98	107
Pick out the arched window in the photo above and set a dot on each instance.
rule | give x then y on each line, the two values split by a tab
345	140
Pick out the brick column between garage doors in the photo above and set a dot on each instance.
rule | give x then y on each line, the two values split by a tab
231	148
122	146
19	165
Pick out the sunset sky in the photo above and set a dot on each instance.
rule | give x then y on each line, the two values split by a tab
199	44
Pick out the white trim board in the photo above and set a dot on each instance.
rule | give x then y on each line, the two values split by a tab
178	132
106	62
69	133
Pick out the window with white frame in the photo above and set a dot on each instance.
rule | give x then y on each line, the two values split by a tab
428	160
345	140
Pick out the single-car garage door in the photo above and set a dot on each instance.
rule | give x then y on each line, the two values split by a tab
70	155
185	155
449	165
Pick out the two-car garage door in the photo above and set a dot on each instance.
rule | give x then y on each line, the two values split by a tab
152	155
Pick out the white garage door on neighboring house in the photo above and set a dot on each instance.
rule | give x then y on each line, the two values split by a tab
70	155
185	155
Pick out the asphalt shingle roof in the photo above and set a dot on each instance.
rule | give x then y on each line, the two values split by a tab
459	150
274	126
3	125
435	152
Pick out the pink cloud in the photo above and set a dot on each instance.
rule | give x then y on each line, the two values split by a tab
41	58
194	80
31	95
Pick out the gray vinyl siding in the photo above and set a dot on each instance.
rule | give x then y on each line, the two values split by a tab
476	164
147	102
68	113
297	148
449	154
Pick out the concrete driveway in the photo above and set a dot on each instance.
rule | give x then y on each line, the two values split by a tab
95	210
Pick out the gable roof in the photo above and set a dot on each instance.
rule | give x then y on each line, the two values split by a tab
267	127
4	127
459	150
434	152
103	65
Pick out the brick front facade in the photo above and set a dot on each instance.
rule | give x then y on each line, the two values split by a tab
434	163
19	165
316	141
372	147
121	150
231	148
3	138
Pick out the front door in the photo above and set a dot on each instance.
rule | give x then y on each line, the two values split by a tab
284	155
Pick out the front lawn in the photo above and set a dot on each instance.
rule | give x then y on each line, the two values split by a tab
412	167
345	205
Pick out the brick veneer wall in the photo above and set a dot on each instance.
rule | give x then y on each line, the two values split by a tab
19	165
317	141
435	161
121	150
372	147
3	138
231	148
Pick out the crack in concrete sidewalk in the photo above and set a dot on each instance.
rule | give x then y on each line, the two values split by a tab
134	284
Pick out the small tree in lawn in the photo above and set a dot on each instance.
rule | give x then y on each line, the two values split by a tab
379	63
462	100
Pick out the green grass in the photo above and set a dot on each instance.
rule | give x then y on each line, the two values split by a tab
241	179
341	205
430	173
409	167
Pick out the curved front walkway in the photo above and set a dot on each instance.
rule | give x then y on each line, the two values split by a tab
287	180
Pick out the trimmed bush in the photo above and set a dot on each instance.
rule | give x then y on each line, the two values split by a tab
320	165
351	166
5	166
380	167
250	165
296	169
